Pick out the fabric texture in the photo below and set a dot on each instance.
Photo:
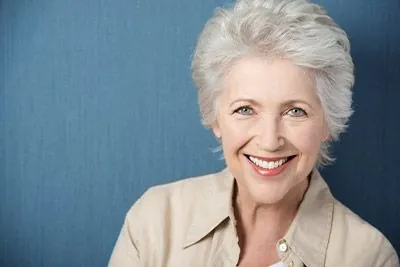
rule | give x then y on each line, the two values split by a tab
278	264
191	223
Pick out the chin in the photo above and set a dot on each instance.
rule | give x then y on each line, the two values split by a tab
269	196
274	191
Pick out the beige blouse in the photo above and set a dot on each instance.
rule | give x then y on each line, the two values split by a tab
190	223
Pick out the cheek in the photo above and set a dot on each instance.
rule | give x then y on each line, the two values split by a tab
234	134
307	139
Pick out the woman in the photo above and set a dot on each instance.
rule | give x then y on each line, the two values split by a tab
274	80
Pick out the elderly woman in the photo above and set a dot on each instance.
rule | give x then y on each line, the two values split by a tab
274	80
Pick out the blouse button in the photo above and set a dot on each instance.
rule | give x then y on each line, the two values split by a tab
283	247
290	264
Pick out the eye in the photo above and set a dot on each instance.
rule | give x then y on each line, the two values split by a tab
297	112
245	111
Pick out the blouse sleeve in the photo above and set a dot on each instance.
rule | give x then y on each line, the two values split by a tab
392	261
387	256
125	252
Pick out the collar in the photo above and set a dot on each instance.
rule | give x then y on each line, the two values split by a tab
307	236
212	205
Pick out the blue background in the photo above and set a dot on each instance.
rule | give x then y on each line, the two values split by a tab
97	104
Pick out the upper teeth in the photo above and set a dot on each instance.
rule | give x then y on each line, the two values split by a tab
267	164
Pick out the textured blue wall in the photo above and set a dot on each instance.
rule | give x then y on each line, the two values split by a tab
97	104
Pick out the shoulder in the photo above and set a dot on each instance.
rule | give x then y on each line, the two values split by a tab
172	205
156	224
354	228
355	237
161	196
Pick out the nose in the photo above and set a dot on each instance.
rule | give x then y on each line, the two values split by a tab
268	136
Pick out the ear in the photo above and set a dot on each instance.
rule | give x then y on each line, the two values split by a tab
325	135
216	130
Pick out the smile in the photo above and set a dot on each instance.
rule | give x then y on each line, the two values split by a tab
270	165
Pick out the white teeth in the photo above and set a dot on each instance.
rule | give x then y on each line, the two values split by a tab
271	165
268	164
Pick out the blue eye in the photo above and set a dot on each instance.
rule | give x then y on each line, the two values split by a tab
245	111
297	112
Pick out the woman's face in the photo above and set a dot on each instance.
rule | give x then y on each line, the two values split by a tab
271	126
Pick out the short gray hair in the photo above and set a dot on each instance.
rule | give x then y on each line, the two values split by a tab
294	29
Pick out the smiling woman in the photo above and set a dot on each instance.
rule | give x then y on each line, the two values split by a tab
271	125
274	81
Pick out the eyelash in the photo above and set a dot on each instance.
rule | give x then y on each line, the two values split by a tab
299	109
239	110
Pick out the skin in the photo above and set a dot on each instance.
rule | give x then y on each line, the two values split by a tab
268	109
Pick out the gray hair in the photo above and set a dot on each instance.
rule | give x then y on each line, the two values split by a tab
294	29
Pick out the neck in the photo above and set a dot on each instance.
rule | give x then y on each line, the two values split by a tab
269	222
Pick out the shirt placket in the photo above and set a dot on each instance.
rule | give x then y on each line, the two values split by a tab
286	255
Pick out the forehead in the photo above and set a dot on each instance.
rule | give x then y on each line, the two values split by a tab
272	80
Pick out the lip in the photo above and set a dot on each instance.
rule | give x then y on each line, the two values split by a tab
269	158
270	173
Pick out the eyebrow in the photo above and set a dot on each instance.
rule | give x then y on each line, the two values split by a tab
295	101
284	104
249	100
